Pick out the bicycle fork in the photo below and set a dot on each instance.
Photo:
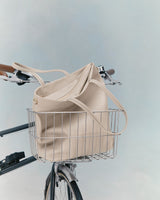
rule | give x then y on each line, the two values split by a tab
67	169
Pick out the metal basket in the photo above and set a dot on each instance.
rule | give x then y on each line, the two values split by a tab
113	116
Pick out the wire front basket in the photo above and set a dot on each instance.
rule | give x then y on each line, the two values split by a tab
73	136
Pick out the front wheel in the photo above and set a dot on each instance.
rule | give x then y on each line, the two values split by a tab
63	190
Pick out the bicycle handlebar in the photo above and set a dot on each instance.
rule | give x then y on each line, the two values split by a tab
10	69
6	68
22	77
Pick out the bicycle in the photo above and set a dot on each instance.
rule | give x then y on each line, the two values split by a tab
61	182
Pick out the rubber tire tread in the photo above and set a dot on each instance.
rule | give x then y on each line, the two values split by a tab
47	184
76	190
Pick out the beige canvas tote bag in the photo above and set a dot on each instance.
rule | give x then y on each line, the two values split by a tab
63	136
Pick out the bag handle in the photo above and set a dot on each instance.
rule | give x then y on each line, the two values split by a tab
115	101
33	71
112	97
87	109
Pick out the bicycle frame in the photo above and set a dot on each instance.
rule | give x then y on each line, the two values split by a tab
68	171
22	162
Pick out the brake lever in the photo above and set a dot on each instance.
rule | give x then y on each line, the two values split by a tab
111	80
19	81
12	78
15	79
108	77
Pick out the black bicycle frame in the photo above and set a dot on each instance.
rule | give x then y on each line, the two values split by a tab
24	161
16	129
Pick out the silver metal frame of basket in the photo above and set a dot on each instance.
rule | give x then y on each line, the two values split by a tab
114	115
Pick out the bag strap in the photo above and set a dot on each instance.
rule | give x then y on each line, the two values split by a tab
112	97
115	101
33	71
87	109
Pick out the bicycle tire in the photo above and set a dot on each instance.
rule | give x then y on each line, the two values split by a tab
70	186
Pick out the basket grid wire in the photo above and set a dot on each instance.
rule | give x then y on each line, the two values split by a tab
113	116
